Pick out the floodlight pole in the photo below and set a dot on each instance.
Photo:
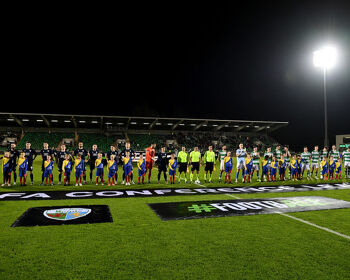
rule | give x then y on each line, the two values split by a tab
325	107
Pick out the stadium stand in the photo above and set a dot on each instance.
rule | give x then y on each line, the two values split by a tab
37	139
102	141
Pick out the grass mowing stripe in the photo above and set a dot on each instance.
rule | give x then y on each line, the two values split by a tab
316	226
295	218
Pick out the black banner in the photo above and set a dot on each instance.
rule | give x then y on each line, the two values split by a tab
54	195
239	207
64	215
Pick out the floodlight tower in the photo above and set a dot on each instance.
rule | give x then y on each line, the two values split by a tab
325	58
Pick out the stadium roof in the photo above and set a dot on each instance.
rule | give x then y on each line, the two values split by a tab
124	123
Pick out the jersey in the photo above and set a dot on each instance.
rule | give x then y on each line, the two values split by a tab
127	161
61	156
228	163
337	167
14	154
315	156
162	159
278	154
115	153
305	157
222	154
335	154
182	157
195	156
346	156
67	166
30	154
240	154
23	163
6	161
248	164
172	164
131	153
141	165
324	154
82	152
93	155
269	154
46	152
209	156
150	154
112	166
79	164
48	165
294	164
256	157
99	163
324	166
332	165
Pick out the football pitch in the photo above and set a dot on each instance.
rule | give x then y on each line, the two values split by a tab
138	244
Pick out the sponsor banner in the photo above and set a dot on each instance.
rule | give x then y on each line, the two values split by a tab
238	207
64	215
54	195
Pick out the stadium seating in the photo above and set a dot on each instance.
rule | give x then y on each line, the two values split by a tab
37	139
103	142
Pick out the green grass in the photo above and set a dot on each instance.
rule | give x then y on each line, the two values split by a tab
138	245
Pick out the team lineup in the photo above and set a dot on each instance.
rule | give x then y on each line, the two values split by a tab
267	166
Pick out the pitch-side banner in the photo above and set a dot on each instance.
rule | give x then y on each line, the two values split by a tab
92	194
241	207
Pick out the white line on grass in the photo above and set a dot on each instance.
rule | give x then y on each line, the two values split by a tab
294	218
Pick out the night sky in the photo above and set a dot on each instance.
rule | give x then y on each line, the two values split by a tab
226	60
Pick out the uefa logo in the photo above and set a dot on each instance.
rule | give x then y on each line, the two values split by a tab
66	214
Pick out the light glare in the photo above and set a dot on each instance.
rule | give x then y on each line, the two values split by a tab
325	58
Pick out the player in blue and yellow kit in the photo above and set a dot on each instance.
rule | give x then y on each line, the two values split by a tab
6	169
48	167
338	169
294	166
99	168
79	165
127	161
331	167
67	169
282	167
265	168
141	166
248	165
22	169
324	169
273	169
172	168
228	165
112	167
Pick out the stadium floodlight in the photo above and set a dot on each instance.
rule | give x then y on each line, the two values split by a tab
146	123
215	125
94	121
108	123
82	121
120	123
158	123
267	127
326	59
10	120
54	121
67	121
25	120
170	124
133	123
182	124
39	120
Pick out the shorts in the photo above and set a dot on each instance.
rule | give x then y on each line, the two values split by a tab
347	164
305	166
228	169
142	172
248	171
78	172
172	172
209	166
265	170
92	166
287	165
182	167
111	173
273	171
149	165
162	168
314	165
22	172
282	170
60	164
127	170
222	166
294	171
30	166
47	174
324	172
256	167
99	172
240	164
67	173
6	170
195	166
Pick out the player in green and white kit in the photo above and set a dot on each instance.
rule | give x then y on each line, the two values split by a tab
209	160
256	162
334	153
182	160
287	157
315	158
324	153
195	161
278	152
346	157
222	155
305	163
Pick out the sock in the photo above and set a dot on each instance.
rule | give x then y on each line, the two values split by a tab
59	177
31	177
210	176
229	177
171	179
65	180
90	176
20	180
139	179
96	180
191	177
159	176
225	178
165	176
42	177
143	179
25	179
237	173
113	180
